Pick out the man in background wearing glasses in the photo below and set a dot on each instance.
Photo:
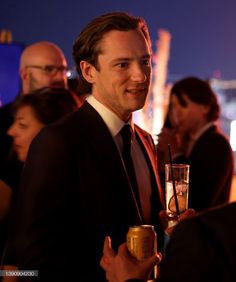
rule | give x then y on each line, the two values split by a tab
42	64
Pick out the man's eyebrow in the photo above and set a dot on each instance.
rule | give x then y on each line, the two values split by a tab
148	56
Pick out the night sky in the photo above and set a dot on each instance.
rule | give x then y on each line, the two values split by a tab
203	31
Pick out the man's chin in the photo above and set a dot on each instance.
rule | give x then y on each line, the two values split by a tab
138	106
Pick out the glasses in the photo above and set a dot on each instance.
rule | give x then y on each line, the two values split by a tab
50	70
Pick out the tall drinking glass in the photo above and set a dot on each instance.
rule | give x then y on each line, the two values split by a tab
177	188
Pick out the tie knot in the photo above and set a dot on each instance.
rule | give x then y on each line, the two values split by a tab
126	131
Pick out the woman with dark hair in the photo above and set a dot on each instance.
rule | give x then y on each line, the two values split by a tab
35	110
195	111
31	112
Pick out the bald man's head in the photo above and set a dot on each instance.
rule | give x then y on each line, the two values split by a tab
36	63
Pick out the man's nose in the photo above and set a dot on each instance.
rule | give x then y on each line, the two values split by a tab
139	73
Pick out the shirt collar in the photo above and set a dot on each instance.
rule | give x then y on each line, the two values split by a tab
200	132
113	122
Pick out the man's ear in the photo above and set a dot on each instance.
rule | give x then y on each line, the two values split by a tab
87	71
23	73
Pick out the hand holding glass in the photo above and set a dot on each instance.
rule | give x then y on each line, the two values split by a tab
176	175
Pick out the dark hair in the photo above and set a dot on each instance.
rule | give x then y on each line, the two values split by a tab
198	91
86	46
48	104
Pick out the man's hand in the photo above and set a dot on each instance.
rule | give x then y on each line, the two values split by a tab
122	266
169	223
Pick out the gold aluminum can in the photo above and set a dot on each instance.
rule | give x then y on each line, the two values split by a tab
142	244
142	241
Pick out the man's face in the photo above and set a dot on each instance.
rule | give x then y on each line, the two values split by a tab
35	77
122	80
39	78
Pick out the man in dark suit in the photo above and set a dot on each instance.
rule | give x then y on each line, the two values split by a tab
75	186
200	249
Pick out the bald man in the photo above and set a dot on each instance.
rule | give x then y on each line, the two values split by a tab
42	64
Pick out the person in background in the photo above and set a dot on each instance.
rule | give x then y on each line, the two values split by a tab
200	249
31	113
75	186
194	113
35	110
42	64
168	135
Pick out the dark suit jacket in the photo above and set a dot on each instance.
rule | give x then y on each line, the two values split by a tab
211	169
203	249
73	193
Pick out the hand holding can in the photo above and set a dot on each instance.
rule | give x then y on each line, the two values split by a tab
142	244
